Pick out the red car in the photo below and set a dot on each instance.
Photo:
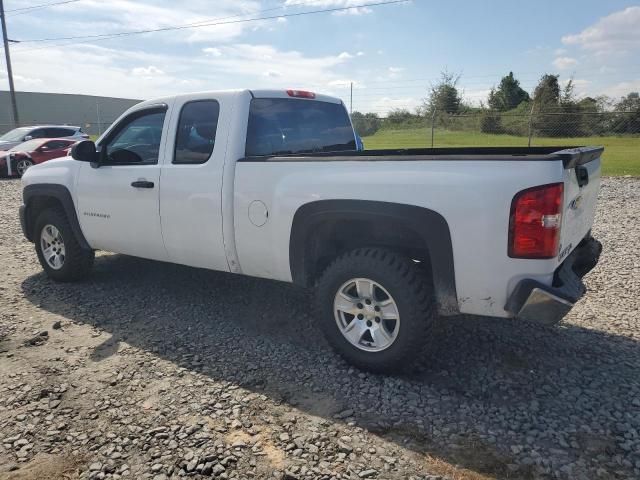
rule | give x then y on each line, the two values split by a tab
32	152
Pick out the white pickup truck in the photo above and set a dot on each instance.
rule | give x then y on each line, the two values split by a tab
270	184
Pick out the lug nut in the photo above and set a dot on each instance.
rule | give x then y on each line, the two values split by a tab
360	316
369	323
377	319
360	306
376	308
367	301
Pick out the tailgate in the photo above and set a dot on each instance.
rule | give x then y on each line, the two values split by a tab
581	187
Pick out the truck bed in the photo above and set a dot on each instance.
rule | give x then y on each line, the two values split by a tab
569	155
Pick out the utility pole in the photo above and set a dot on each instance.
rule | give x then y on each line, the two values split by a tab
350	98
12	90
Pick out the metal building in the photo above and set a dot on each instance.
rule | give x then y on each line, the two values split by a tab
91	113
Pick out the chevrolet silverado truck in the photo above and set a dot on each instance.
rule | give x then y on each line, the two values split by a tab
271	184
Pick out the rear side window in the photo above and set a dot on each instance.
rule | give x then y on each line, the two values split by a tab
39	133
279	126
196	134
59	132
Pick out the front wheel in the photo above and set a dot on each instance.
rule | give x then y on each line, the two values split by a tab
376	309
59	253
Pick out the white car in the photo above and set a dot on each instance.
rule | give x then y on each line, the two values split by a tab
269	183
15	137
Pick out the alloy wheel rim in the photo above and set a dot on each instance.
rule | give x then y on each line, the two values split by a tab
22	166
52	245
366	314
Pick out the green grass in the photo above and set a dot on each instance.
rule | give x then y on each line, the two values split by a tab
621	154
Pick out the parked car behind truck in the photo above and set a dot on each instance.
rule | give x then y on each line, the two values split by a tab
269	183
17	160
19	135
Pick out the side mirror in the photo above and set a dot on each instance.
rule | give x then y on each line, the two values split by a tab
85	151
28	137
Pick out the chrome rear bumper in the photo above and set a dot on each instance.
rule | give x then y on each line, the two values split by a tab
535	302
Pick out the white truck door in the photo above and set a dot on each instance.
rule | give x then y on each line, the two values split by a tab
118	202
191	186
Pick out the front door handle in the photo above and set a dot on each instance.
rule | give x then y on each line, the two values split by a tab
142	184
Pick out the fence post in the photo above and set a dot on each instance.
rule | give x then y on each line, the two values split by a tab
531	122
433	124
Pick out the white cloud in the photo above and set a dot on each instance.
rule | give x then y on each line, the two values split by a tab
345	56
213	51
618	33
355	9
581	86
150	71
563	63
395	69
359	54
121	15
272	74
621	89
281	20
27	82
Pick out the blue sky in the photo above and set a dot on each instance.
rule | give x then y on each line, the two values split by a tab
391	53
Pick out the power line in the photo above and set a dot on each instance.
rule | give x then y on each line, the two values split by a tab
212	24
24	10
63	44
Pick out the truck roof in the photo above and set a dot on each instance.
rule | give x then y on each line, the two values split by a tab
257	93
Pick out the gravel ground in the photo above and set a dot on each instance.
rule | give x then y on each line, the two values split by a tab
151	370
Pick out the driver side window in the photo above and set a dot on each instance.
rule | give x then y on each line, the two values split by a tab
137	140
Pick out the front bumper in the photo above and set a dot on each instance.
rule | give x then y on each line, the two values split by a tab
535	302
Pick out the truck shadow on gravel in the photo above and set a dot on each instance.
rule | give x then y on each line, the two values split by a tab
495	397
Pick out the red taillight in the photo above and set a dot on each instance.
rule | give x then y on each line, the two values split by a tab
534	224
301	94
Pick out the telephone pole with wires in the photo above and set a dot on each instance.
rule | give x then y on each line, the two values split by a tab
12	90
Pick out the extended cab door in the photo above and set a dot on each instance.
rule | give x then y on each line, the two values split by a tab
191	187
118	201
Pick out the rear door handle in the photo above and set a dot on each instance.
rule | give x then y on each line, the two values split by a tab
142	184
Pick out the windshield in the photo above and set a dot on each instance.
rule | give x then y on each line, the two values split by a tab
27	146
15	135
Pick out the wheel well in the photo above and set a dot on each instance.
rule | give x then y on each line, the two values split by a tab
325	229
37	205
331	239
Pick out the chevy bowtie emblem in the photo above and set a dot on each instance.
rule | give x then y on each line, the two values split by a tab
576	202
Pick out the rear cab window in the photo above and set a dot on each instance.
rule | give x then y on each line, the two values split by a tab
196	134
281	126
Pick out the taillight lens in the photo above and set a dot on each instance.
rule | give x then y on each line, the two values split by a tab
301	94
534	224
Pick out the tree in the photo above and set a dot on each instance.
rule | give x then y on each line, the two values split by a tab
401	115
547	92
629	121
508	95
444	95
365	124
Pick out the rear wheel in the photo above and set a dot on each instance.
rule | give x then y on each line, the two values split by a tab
59	253
376	309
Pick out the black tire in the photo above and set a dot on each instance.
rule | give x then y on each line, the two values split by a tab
77	261
409	286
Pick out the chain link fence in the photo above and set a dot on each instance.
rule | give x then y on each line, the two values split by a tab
490	128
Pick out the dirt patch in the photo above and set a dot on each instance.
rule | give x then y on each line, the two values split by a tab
43	466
